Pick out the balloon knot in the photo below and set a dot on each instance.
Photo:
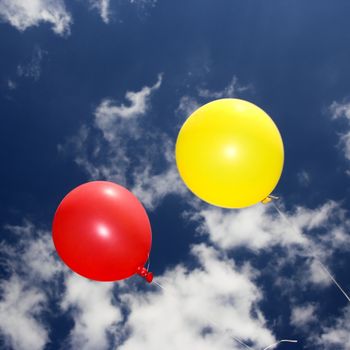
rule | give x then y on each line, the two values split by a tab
144	273
269	199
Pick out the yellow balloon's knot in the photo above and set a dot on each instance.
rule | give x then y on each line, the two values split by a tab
269	199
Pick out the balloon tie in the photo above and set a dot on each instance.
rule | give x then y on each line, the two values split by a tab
145	274
269	199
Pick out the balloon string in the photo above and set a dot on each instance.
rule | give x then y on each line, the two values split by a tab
214	325
333	279
149	262
279	342
158	284
312	255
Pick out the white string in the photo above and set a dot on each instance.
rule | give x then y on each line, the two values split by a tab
240	342
313	256
333	279
159	285
281	341
213	324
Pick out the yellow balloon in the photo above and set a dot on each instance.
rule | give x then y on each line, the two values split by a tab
230	153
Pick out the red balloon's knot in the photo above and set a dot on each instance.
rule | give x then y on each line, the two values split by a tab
144	273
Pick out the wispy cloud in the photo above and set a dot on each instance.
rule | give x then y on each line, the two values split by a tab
144	3
109	112
218	301
341	110
233	89
260	227
189	103
20	307
32	69
11	84
124	148
25	14
336	334
315	234
152	187
91	305
204	308
103	7
30	264
304	178
187	106
303	315
31	13
32	254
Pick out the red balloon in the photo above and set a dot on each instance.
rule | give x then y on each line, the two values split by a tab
102	232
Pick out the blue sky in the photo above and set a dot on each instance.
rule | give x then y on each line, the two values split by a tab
99	89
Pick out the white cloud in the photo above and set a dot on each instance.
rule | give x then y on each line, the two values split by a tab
303	315
304	178
35	283
316	274
206	305
315	234
342	110
218	301
24	14
20	307
123	148
256	228
233	89
152	188
30	263
198	307
337	334
188	104
216	295
144	3
33	255
32	69
94	315
260	227
345	141
108	112
11	84
129	153
103	7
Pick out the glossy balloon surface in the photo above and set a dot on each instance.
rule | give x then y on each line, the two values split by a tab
230	153
102	232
